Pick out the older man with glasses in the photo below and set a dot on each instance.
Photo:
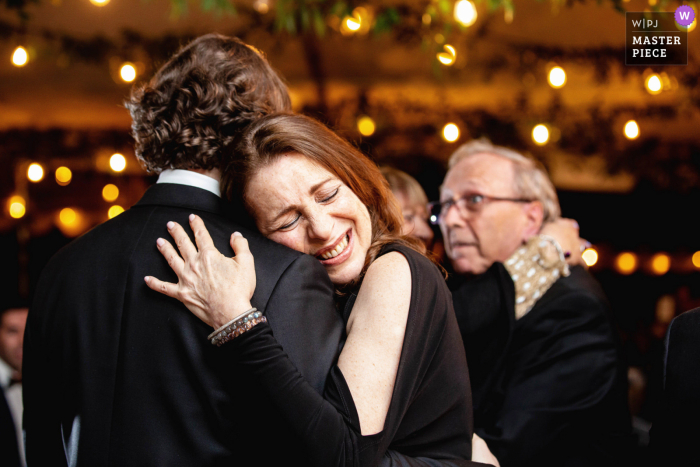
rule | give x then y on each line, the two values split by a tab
548	385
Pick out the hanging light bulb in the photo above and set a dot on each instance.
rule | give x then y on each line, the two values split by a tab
450	132
653	84
631	129
63	176
540	134
127	72
590	256
447	57
117	162
20	57
465	12
35	172
557	77
17	207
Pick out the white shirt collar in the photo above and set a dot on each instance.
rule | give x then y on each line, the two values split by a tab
190	178
5	374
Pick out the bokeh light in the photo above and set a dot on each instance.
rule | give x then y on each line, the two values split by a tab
590	256
447	57
35	172
99	2
450	132
17	207
465	12
696	259
20	57
631	130
653	84
68	217
63	176
626	263
110	192
117	162
540	134
114	211
366	126
127	72
557	77
660	263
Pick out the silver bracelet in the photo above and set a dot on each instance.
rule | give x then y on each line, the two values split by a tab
211	336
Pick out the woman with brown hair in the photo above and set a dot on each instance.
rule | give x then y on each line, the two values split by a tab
399	394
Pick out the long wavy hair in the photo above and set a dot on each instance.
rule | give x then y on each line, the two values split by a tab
279	134
198	102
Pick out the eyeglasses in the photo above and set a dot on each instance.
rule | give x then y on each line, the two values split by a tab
469	203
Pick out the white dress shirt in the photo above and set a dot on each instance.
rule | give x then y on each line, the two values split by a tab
190	178
13	396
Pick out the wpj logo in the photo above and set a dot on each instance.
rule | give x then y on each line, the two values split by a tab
658	38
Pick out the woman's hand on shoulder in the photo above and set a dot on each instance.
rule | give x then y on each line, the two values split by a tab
376	328
213	287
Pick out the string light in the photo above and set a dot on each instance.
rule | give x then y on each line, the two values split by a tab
590	256
20	57
117	162
653	84
63	176
114	211
261	6
68	217
366	126
110	192
427	19
99	2
540	134
660	263
127	72
447	57
557	77
626	263
35	172
631	129
17	207
450	132
465	12
696	259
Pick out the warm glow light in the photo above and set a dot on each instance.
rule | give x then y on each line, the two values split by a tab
99	2
447	57
63	176
450	132
653	84
261	6
366	126
465	12
17	207
114	211
696	259
127	72
20	57
353	24
590	256
660	263
626	263
631	129
68	216
110	192
117	162
540	134
557	77
35	172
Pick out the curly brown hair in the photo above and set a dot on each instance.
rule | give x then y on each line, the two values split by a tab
275	135
200	100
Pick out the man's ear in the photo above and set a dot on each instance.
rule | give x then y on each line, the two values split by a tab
534	215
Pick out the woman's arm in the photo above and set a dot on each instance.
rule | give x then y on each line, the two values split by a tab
376	329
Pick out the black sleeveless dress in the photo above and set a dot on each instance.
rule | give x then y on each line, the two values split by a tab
429	422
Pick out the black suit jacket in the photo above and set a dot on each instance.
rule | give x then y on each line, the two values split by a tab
549	388
116	374
9	447
676	430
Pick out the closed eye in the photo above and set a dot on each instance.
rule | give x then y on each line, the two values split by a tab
331	196
291	224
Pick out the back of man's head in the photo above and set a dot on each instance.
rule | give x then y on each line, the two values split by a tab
200	100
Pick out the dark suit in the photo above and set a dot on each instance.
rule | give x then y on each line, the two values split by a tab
124	376
676	429
9	448
549	389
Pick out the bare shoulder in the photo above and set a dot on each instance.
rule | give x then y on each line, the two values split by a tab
385	293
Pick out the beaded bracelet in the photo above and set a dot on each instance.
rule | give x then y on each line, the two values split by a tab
236	327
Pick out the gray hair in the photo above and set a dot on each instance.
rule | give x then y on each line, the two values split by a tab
531	179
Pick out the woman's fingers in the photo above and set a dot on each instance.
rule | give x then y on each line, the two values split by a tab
168	251
167	288
201	234
183	242
240	248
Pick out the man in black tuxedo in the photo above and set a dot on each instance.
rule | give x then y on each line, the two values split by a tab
116	374
676	428
547	383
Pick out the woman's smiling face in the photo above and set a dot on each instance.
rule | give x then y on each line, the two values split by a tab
300	204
